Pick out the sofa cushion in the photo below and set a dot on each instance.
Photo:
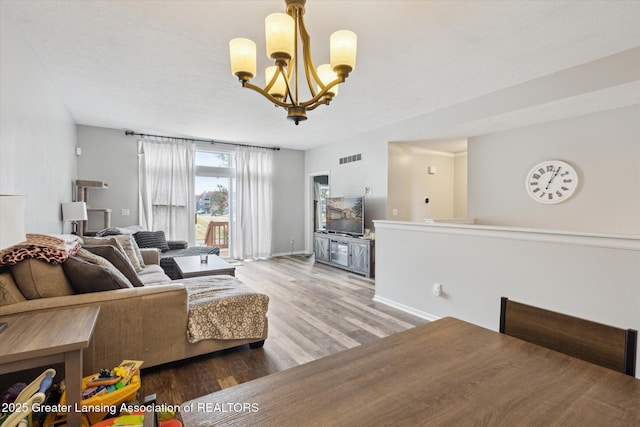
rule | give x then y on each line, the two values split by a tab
125	242
131	249
9	292
106	240
153	275
151	239
87	277
113	231
39	279
116	258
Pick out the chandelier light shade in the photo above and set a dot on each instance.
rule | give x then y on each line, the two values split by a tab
279	88
343	50
327	75
287	41
243	58
279	31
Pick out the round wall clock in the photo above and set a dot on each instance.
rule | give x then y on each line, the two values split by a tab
552	181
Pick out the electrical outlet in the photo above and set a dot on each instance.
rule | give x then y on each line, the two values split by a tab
126	212
394	212
367	189
291	240
437	289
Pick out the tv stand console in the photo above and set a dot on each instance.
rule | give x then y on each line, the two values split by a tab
349	253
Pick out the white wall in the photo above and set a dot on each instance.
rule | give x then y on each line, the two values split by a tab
108	155
288	201
460	186
590	277
409	183
37	133
603	148
350	179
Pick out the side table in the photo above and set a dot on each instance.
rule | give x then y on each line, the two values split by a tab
46	338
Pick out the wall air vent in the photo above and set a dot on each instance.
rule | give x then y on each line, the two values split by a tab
349	159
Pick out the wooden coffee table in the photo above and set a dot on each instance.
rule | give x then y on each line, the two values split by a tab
190	266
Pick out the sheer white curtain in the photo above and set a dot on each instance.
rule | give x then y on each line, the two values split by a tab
167	199
252	227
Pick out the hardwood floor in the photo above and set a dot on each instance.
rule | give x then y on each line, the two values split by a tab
314	311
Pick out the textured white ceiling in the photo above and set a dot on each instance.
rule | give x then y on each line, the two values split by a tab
162	66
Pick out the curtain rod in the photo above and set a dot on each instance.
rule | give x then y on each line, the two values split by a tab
209	141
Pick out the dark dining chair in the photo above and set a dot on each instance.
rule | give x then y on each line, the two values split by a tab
604	345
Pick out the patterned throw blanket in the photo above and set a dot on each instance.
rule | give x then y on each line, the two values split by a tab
53	249
224	308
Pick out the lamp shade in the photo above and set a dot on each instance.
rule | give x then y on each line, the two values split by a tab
243	57
279	29
343	46
13	210
327	75
74	211
279	88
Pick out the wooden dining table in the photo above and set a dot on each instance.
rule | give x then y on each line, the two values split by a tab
444	373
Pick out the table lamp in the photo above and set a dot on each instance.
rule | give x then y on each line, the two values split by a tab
13	210
74	212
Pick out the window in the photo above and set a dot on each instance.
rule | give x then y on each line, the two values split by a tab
213	181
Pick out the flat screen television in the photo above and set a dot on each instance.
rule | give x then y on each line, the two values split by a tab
345	215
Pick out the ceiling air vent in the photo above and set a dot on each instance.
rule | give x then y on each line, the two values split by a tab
349	159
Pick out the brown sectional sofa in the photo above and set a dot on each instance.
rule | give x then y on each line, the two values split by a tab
142	323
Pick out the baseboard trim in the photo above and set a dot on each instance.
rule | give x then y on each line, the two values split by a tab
405	308
291	253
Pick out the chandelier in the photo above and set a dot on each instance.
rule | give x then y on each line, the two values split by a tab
283	33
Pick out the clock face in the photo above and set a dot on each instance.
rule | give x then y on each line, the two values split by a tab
551	182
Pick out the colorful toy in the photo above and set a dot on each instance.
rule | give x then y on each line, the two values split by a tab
33	394
105	377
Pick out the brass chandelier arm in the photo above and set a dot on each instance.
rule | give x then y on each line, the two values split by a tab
322	93
287	84
312	104
269	85
319	103
265	94
309	68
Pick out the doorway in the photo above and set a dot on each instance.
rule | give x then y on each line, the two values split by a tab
213	187
318	190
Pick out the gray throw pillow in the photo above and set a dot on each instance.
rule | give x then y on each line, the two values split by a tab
119	261
151	239
111	231
86	277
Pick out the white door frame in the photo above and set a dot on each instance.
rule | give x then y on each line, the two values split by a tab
308	209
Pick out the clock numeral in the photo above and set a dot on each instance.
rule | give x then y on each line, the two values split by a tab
559	193
567	180
536	176
550	196
533	183
542	171
549	168
542	195
563	188
565	173
535	190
